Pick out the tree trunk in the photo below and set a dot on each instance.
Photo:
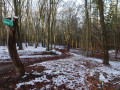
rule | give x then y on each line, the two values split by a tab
68	45
115	32
1	34
18	32
11	43
54	41
104	33
87	27
48	20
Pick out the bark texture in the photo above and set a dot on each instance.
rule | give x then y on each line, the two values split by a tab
104	33
11	43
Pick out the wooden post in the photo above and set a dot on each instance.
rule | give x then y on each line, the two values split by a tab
11	43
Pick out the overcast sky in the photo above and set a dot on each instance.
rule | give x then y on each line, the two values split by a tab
34	5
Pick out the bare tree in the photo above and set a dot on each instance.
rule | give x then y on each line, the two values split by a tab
104	33
87	27
11	43
18	31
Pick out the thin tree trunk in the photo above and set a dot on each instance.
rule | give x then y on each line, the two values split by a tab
1	34
48	33
115	34
54	41
91	42
4	13
87	26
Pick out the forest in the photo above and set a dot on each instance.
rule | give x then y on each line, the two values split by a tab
90	28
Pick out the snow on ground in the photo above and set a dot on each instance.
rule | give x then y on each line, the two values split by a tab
27	52
112	53
57	52
4	54
72	71
40	79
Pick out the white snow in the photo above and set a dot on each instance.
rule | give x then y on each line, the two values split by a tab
102	78
72	71
16	17
27	52
40	79
24	76
57	52
24	83
111	51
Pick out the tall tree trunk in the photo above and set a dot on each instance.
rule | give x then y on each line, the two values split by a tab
18	32
87	27
48	20
52	22
1	34
27	25
20	23
25	37
115	31
4	14
11	43
104	33
90	28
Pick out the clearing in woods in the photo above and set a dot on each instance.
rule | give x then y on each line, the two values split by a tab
58	69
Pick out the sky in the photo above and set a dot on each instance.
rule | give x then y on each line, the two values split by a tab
67	3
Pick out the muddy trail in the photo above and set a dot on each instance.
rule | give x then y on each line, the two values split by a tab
6	68
9	79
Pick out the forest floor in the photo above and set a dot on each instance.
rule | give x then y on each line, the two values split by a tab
59	69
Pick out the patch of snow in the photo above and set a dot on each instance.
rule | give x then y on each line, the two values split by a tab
40	79
110	71
24	83
46	87
68	70
60	47
35	56
115	65
102	78
24	76
26	73
48	71
27	52
57	52
36	73
16	17
94	59
111	51
74	70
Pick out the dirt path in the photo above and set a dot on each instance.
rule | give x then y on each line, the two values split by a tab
81	71
6	68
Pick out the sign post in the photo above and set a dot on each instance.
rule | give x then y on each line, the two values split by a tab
11	44
8	22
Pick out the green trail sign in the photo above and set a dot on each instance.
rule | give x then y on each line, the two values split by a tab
8	22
